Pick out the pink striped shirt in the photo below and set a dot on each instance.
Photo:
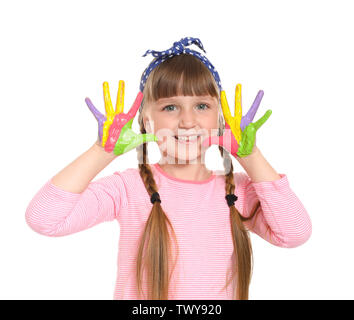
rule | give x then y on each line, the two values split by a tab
199	215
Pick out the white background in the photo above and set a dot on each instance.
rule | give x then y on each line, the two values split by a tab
56	53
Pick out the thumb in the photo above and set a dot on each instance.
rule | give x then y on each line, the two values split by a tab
135	142
147	137
262	120
142	138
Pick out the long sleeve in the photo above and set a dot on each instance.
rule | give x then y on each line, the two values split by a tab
282	219
55	212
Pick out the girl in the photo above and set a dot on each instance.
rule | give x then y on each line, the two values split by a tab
184	229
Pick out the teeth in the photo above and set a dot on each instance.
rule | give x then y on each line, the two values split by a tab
192	138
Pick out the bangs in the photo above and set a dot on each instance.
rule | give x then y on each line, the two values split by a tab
182	75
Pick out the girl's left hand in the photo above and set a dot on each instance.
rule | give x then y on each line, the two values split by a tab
240	139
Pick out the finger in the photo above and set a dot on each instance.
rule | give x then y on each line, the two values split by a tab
105	131
247	142
147	137
227	141
251	139
137	141
248	118
120	97
136	105
225	107
210	140
238	105
261	121
98	115
250	136
100	132
107	101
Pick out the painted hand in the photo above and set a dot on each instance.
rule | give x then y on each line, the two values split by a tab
117	134
240	135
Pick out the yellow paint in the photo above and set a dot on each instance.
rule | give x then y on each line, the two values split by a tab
110	113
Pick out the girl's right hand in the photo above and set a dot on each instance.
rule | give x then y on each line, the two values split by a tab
114	129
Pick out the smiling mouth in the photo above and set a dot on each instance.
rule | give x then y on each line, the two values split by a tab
187	140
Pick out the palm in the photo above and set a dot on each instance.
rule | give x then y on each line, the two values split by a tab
129	140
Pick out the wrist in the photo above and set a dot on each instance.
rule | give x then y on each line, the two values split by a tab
97	147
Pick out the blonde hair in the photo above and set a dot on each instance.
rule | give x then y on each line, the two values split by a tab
184	74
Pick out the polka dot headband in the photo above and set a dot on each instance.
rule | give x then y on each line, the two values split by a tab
178	48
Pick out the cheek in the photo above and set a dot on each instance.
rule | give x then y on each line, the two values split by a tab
162	122
211	122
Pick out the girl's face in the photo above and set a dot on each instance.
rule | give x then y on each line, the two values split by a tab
180	123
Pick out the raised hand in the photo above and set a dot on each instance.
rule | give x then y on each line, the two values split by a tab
240	136
117	135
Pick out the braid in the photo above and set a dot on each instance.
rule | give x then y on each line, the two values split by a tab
145	170
154	251
242	259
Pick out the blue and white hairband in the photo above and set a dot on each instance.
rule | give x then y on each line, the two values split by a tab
178	48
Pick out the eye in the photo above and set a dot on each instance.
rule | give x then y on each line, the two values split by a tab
167	107
205	106
171	106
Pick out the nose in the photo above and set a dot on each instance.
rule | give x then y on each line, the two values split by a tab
187	119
